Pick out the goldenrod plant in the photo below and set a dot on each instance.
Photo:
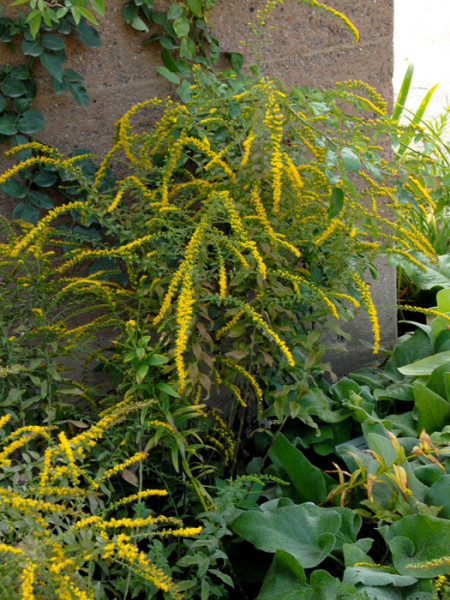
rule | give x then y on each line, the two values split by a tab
60	537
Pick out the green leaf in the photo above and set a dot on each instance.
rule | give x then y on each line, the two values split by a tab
433	411
34	25
24	211
195	6
30	122
31	47
181	26
336	202
130	14
285	579
425	366
40	199
7	126
45	178
141	373
188	48
351	159
53	64
79	92
237	61
98	6
168	61
157	359
420	545
14	188
13	87
80	11
168	389
306	531
307	479
52	41
438	495
88	35
173	77
175	11
2	103
376	576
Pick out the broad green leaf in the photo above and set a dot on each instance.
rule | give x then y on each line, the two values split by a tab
188	48
408	348
376	576
181	26
307	479
435	275
285	579
98	6
438	379
439	495
7	126
433	411
157	359
173	77
425	366
88	35
351	159
45	178
24	211
2	103
53	64
79	92
420	545
237	61
306	531
14	188
175	11
336	202
443	300
31	47
13	87
195	6
40	199
52	41
30	122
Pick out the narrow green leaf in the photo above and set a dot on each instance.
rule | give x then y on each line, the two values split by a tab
173	77
403	94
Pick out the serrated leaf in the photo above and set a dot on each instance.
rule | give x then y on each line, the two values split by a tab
351	159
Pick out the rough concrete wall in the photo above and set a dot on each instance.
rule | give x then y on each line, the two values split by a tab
309	47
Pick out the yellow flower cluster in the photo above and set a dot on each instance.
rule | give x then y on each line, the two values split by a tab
28	581
366	300
123	465
274	119
258	391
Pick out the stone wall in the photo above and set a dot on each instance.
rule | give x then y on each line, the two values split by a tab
309	47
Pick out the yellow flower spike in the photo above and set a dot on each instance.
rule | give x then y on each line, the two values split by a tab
258	391
5	419
367	302
27	586
123	465
247	145
11	549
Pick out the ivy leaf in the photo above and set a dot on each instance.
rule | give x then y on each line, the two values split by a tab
30	122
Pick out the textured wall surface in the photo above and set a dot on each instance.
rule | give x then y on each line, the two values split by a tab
309	47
